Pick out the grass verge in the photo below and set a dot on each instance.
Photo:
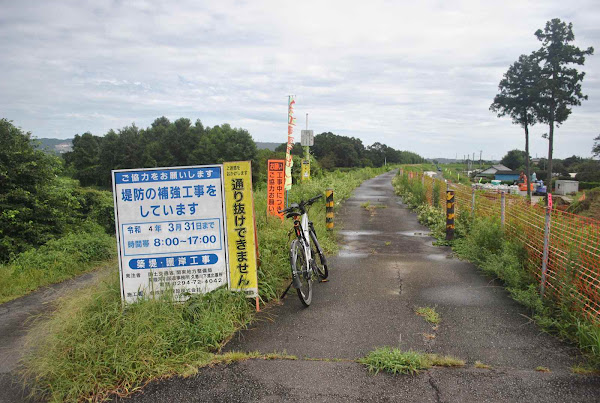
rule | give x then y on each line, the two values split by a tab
56	261
92	347
396	361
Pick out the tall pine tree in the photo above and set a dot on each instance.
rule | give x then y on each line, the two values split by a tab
560	82
518	98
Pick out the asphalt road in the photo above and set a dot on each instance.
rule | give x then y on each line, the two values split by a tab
388	267
15	318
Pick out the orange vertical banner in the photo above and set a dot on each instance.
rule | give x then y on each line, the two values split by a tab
276	187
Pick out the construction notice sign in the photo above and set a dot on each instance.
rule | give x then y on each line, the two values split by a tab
170	225
275	187
241	228
305	172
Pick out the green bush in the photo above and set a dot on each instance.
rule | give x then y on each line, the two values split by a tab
57	260
588	185
436	194
507	265
412	191
485	238
433	218
97	205
35	204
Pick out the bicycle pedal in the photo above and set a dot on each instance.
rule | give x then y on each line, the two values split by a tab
323	280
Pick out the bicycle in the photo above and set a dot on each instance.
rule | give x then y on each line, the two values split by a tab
302	251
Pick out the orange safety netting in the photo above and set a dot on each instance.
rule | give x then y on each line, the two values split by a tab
573	265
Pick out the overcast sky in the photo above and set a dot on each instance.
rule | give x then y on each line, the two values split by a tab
417	77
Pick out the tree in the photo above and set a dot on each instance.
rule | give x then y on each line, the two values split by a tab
33	206
342	151
514	159
560	83
85	158
588	171
596	148
571	161
517	98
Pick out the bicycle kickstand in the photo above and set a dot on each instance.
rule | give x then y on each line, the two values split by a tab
286	290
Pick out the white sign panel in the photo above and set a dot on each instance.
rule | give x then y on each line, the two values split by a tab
170	230
307	138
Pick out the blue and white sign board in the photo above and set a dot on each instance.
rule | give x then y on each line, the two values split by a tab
170	230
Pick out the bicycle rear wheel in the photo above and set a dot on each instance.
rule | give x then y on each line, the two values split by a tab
321	264
301	273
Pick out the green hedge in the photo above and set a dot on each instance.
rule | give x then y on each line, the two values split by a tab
588	185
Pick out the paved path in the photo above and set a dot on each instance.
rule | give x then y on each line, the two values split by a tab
386	268
15	318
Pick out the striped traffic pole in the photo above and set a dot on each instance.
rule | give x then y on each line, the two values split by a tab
329	209
449	215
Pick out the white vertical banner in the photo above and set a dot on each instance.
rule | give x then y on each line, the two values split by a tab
290	143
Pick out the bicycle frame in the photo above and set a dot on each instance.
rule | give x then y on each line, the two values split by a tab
302	229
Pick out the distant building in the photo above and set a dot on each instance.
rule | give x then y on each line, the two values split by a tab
565	187
63	148
499	172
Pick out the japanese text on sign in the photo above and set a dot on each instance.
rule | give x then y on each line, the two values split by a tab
240	227
170	231
275	187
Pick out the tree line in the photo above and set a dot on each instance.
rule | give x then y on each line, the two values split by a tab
182	143
41	200
336	151
542	87
163	144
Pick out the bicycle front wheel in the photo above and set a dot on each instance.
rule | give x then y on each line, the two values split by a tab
301	273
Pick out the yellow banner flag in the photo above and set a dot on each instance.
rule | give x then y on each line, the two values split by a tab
241	227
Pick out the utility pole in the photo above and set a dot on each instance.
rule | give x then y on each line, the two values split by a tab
306	140
306	150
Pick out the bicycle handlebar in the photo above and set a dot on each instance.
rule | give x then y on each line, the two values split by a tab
301	205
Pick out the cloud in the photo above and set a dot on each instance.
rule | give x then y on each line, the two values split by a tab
415	76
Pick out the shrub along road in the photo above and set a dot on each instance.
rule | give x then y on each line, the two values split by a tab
388	268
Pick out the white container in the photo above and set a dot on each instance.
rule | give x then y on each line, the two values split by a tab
565	187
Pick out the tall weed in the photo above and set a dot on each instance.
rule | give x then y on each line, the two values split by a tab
56	261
